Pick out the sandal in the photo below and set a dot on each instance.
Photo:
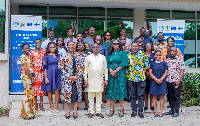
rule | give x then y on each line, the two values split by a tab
121	115
41	107
57	110
112	111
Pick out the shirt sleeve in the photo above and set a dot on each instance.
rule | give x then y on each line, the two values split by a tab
85	75
146	62
181	64
61	66
124	62
151	65
44	63
106	51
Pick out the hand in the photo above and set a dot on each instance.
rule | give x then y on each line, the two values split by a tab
157	81
105	82
86	84
46	81
33	80
177	83
76	78
71	78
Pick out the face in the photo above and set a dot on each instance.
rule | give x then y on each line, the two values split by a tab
157	56
123	32
134	47
173	51
86	33
170	42
140	41
148	47
70	32
51	34
160	37
95	48
143	32
107	36
60	41
115	45
79	37
92	31
81	47
122	39
52	48
71	46
98	39
38	44
26	49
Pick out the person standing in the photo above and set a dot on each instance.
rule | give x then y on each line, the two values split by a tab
95	70
52	76
128	41
138	63
27	77
50	39
140	44
144	37
122	40
161	44
36	55
61	45
70	34
85	33
107	40
117	82
102	48
71	69
158	87
79	38
90	39
175	74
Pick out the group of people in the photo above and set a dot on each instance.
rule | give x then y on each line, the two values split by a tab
100	69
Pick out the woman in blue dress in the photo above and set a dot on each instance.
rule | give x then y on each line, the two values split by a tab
52	75
158	87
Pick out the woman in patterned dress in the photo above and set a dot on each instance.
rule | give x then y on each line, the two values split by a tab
71	71
27	75
36	55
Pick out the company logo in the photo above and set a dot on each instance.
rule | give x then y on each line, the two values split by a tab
180	28
22	24
173	28
29	24
36	24
167	28
15	24
161	28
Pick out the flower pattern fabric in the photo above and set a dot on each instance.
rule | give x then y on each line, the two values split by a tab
159	47
39	74
87	46
164	54
66	67
138	64
127	49
28	105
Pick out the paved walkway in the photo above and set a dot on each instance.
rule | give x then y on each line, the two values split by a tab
190	116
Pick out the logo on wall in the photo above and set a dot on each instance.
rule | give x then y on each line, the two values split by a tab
29	24
22	24
15	24
161	28
167	28
173	28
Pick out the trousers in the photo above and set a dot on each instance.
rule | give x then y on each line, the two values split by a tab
98	96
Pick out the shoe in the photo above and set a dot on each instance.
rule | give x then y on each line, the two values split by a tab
100	115
174	114
133	114
155	115
140	114
145	108
117	101
41	107
160	115
90	115
52	110
168	113
57	110
67	117
104	101
122	110
111	112
152	108
75	117
85	108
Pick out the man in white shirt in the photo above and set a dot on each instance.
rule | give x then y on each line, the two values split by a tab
50	39
94	73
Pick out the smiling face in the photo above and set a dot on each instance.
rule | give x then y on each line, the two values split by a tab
115	45
134	47
52	48
38	44
70	46
95	48
60	42
26	49
108	36
122	40
170	42
98	39
139	41
51	34
70	32
148	47
157	56
81	47
79	37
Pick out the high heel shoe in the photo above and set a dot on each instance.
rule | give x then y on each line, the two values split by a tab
67	117
122	110
75	116
111	112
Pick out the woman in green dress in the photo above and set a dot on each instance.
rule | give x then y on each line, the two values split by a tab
107	40
117	83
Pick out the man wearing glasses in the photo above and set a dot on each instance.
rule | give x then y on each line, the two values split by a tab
144	37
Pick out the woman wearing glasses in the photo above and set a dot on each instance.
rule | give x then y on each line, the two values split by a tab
107	40
117	83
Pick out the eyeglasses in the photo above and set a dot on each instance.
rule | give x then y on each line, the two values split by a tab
95	47
115	43
148	46
140	41
98	39
142	31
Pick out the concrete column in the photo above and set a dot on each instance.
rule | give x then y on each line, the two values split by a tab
139	21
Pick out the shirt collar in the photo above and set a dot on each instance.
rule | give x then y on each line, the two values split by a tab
158	61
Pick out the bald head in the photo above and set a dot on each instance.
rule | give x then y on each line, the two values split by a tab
92	32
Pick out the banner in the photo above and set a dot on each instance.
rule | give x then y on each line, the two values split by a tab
24	29
173	28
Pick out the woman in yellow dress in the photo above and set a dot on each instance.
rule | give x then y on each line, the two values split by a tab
27	77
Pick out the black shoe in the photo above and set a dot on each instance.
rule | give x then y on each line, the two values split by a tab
145	108
85	108
160	115
174	114
140	114
168	113
152	108
155	115
67	117
117	101
133	114
75	117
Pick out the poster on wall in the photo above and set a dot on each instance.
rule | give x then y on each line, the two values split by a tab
173	28
24	29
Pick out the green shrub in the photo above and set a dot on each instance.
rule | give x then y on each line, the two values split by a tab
1	110
190	93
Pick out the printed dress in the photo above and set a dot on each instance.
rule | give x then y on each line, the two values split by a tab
71	66
39	74
28	105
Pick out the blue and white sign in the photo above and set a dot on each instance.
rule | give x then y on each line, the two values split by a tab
24	29
173	28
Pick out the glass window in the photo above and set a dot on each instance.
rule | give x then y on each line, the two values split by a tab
119	12
157	14
62	10
198	14
2	25
44	28
177	14
115	26
91	11
32	10
151	28
189	45
198	44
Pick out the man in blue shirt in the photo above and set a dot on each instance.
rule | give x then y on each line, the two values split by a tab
90	39
144	37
